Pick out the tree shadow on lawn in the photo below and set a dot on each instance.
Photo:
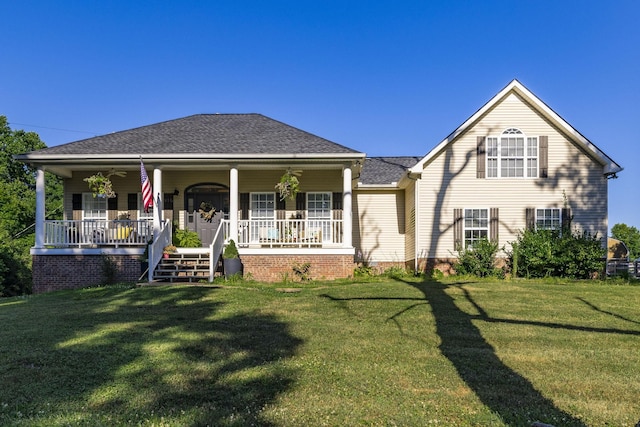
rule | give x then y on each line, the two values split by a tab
163	354
500	388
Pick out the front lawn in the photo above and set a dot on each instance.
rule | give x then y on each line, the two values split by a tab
404	352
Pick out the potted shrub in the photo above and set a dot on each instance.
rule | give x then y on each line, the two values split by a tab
169	249
231	260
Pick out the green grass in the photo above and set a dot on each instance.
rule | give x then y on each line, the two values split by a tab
447	353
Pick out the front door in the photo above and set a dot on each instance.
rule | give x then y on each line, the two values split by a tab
199	199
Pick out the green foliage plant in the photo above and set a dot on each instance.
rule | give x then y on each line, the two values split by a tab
231	250
289	186
302	271
18	207
554	253
363	271
186	239
100	185
479	260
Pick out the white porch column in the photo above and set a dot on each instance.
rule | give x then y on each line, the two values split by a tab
347	227
233	203
158	201
40	208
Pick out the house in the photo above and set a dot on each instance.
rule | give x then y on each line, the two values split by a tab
513	164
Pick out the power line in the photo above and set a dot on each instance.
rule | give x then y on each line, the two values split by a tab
50	128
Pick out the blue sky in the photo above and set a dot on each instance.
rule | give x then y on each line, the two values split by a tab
382	77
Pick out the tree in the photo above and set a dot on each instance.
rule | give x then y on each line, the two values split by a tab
17	207
630	236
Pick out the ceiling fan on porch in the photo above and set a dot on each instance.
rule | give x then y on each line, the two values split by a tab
115	172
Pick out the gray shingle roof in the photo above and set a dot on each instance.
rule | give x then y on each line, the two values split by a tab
385	170
206	134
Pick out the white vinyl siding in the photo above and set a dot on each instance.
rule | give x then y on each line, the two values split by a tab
450	181
378	223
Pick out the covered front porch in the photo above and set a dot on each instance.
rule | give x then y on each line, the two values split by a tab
270	233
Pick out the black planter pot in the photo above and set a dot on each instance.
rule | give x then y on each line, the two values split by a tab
232	266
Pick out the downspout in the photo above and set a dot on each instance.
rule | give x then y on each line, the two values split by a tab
416	233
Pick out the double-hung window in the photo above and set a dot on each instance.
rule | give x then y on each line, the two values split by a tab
319	211
512	155
548	219
94	215
94	208
262	215
141	213
476	226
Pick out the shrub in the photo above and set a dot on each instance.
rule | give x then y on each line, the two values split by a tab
479	260
302	271
186	239
363	270
545	253
230	251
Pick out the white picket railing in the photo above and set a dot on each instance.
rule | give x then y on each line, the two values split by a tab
76	233
290	232
256	232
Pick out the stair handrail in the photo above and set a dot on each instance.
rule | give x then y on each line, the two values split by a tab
215	250
155	248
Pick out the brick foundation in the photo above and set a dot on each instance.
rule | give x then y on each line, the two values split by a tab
275	268
445	265
58	272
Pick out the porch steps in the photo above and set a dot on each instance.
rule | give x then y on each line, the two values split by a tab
184	267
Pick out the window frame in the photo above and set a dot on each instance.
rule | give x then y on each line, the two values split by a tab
559	219
141	213
501	157
321	222
270	194
468	243
89	199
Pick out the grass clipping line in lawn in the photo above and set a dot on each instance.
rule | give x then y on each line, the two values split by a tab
386	353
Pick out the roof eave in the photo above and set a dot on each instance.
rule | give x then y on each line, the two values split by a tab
610	166
44	159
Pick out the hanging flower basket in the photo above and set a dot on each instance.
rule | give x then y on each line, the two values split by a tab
289	186
100	186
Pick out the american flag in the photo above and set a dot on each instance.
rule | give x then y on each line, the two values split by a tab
147	197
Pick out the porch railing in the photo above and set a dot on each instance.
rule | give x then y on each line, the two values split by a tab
290	232
79	233
256	232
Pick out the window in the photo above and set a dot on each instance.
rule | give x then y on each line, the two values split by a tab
94	207
476	226
548	219
319	205
512	155
319	209
141	213
263	205
262	215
